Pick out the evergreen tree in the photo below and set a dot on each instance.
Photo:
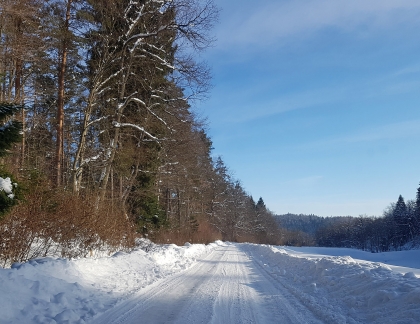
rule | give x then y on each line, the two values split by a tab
400	216
261	205
417	212
10	130
400	210
10	192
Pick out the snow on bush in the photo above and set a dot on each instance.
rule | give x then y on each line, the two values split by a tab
7	186
10	193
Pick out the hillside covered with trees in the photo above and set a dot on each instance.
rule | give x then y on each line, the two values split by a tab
309	224
397	228
108	145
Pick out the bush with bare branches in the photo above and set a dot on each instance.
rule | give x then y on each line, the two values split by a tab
59	223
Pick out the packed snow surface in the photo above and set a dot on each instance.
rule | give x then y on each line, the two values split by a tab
216	283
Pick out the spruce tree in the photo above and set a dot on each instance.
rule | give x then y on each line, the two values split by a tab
417	212
400	210
261	205
401	222
10	130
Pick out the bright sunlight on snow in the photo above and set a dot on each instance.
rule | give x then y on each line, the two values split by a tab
216	283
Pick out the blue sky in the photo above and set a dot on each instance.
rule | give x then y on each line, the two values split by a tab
315	104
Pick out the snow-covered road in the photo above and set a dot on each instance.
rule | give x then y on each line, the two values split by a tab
216	283
226	286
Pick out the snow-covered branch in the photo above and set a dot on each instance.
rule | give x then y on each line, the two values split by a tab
119	125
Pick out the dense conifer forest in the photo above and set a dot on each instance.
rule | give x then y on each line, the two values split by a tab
396	229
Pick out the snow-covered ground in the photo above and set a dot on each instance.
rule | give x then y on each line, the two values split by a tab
399	261
217	283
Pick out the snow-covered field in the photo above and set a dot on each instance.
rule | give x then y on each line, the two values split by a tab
217	283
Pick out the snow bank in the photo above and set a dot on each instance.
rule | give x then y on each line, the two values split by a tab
349	290
53	290
339	289
400	261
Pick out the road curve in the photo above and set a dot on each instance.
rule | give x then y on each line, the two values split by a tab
225	286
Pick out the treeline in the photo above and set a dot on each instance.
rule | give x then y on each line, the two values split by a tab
109	146
398	226
309	224
301	230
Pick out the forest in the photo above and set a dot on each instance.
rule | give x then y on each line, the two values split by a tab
99	142
398	228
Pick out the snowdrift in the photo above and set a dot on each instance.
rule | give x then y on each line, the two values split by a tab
338	289
54	290
349	290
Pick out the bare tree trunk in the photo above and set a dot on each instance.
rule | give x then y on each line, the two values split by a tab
121	187
114	142
60	98
179	206
168	201
80	154
112	190
18	87
107	170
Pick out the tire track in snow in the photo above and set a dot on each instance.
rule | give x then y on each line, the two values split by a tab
298	297
224	287
162	301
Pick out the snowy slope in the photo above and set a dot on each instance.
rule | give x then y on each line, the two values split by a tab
355	291
217	283
399	261
62	291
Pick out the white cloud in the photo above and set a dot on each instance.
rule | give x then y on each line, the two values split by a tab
254	104
273	21
257	101
409	70
399	130
404	129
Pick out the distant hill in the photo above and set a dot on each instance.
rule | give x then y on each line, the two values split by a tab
309	224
